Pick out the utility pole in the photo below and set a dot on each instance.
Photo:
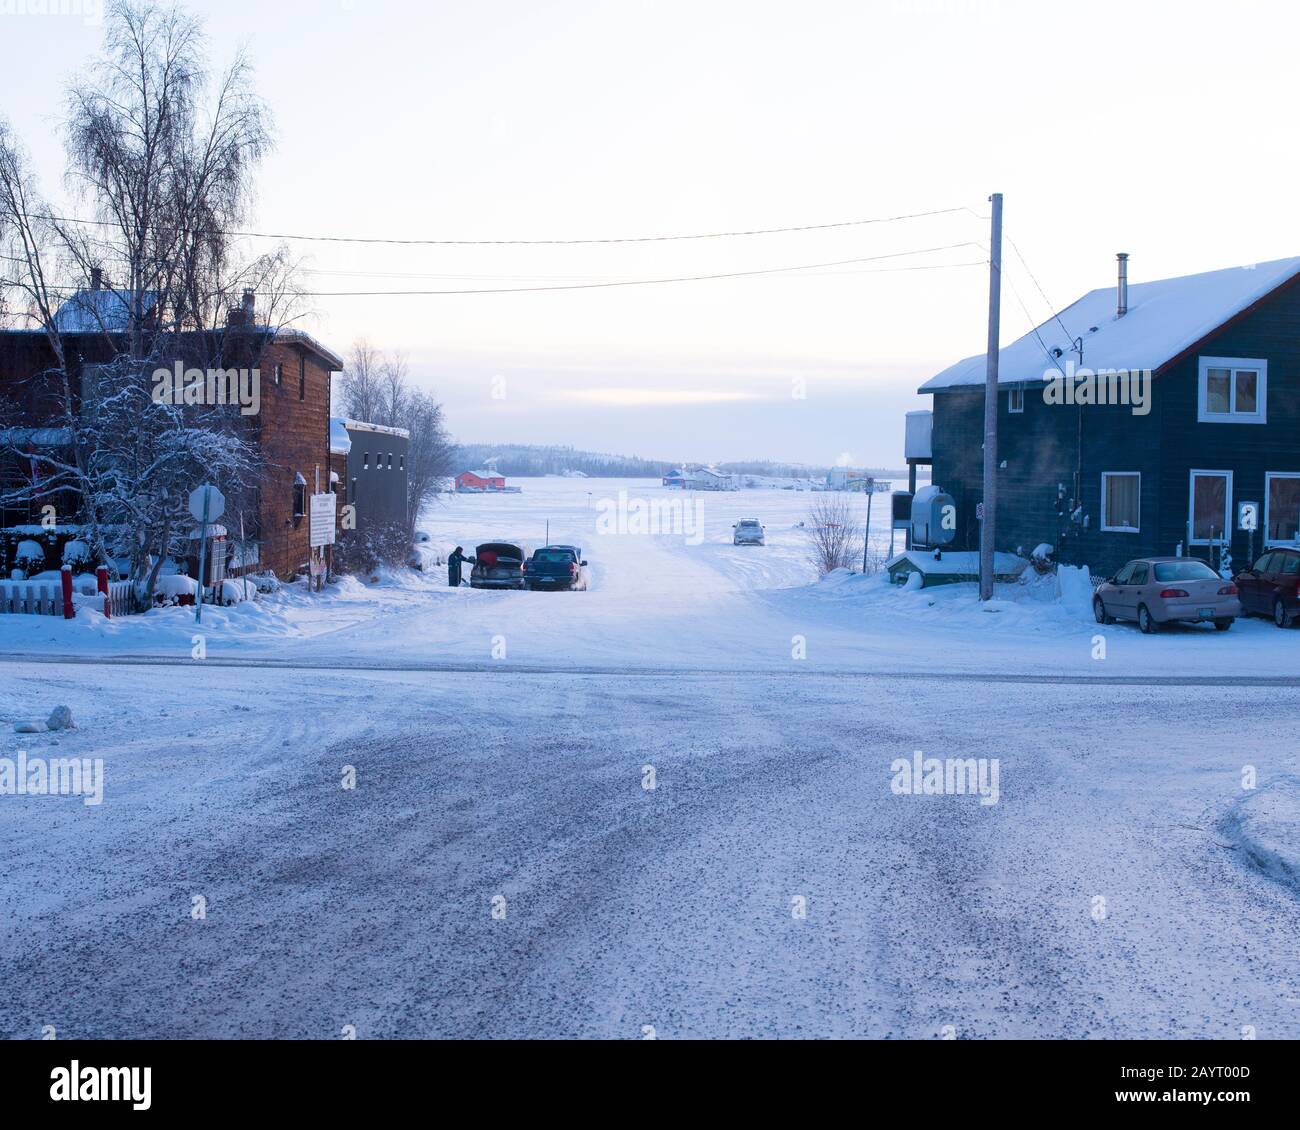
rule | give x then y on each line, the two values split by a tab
990	503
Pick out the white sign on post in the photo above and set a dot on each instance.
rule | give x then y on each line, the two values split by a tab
1248	516
324	509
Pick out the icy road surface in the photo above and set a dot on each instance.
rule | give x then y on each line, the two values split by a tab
501	870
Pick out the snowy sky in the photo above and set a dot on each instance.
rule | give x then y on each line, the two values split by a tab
1162	129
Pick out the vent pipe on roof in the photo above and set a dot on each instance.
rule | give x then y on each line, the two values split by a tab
1121	306
96	278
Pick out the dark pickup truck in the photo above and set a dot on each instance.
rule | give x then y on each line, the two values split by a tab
556	567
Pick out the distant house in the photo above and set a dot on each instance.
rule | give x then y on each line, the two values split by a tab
1136	422
473	482
710	478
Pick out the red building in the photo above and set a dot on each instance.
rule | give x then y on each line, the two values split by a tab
480	481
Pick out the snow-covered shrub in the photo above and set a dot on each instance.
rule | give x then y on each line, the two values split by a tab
264	582
76	554
171	589
29	557
235	590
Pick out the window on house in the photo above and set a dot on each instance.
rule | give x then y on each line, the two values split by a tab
299	496
401	462
1281	507
1121	493
302	378
390	460
279	374
1233	390
352	491
1211	498
1016	398
365	461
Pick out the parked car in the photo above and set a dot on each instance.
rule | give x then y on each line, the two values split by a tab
556	567
748	531
498	565
1272	587
1160	590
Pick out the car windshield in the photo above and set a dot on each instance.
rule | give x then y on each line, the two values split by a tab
552	556
1185	571
749	523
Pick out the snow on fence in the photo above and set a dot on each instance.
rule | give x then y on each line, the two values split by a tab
39	598
117	600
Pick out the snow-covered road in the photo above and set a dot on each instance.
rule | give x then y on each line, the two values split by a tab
619	907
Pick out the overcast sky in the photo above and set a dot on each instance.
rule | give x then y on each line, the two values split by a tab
1163	129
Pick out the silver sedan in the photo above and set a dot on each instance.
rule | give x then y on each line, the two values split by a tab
1160	590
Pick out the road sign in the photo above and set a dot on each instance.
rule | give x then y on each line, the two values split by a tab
1248	516
216	503
323	517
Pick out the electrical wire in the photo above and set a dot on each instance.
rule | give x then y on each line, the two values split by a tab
550	242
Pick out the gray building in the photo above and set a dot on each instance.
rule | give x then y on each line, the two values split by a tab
368	471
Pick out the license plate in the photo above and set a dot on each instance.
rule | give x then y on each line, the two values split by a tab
1205	613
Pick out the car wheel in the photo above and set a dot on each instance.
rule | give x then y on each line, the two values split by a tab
1222	625
1099	611
1281	617
1145	622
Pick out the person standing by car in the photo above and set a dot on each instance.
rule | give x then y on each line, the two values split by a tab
454	562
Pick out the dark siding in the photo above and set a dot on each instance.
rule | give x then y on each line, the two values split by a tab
1042	447
381	493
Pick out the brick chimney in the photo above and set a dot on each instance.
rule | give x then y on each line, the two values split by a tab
96	278
242	315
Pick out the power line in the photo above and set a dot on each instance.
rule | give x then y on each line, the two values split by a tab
1052	309
632	282
548	242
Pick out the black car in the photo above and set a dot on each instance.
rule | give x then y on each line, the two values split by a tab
1272	587
556	567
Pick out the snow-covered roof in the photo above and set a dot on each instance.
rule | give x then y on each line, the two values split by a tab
301	337
99	311
340	441
1164	318
958	562
363	426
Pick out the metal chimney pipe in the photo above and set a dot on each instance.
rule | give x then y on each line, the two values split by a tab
1121	307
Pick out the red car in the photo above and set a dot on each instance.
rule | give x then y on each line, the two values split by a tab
1272	587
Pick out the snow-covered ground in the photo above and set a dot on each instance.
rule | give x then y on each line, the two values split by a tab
501	868
624	907
686	599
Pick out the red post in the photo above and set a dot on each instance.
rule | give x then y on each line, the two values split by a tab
68	611
101	583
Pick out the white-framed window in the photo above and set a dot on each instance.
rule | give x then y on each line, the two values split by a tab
1209	507
1232	390
1016	398
1121	501
1281	507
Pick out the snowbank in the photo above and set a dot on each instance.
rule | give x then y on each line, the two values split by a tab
1266	825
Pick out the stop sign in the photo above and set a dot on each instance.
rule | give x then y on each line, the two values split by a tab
215	500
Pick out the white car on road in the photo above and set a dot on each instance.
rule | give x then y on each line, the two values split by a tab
748	531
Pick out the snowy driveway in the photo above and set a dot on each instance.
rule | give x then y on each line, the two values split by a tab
501	870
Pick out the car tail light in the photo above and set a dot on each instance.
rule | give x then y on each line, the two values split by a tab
1172	594
1228	590
573	568
524	567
